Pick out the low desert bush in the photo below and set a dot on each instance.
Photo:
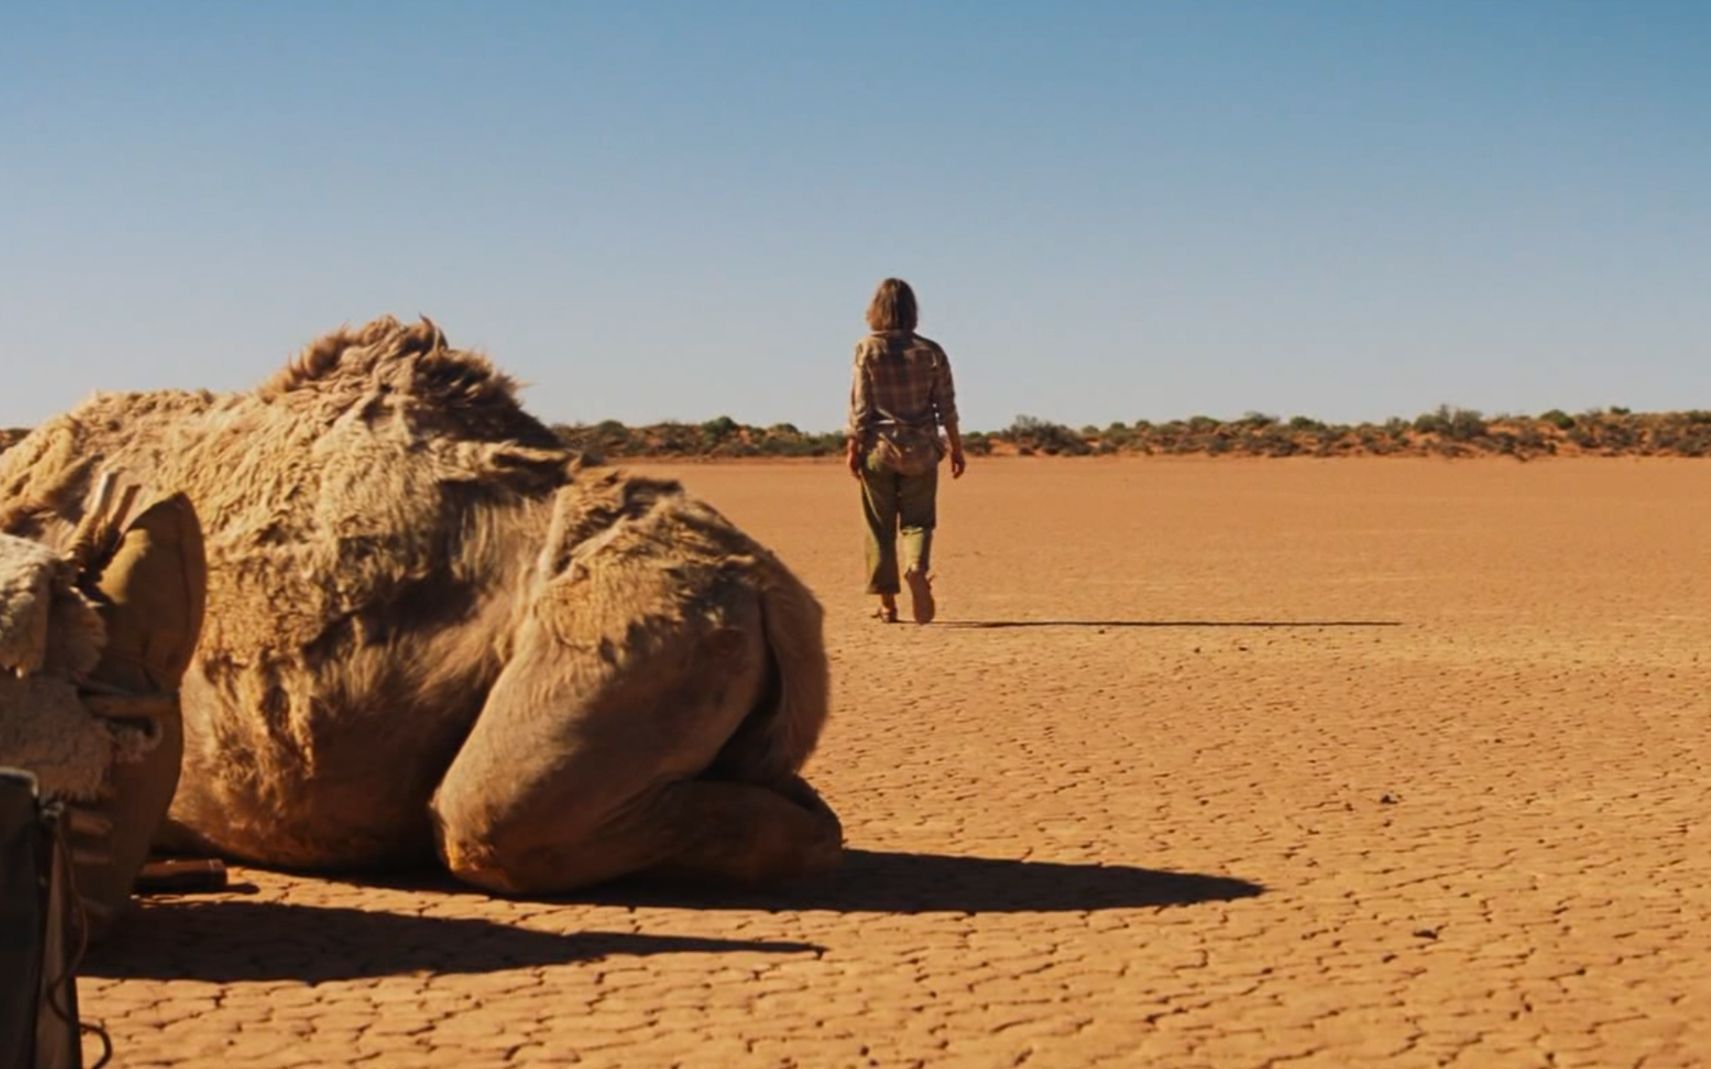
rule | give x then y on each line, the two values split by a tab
1052	439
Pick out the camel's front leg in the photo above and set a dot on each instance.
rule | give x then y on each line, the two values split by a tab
585	765
747	834
737	833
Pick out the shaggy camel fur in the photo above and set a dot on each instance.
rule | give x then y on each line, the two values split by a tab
425	631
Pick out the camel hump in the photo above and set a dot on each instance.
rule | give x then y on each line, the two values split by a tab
381	347
387	357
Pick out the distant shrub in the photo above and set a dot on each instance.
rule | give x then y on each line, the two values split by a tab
1117	436
1052	439
720	428
676	439
1451	431
1457	424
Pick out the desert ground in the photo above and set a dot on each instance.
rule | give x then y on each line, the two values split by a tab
1207	763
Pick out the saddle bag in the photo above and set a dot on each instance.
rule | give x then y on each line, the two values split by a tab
38	990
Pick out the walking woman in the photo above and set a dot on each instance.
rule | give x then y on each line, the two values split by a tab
900	396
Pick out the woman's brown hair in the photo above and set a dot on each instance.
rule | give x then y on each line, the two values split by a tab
892	307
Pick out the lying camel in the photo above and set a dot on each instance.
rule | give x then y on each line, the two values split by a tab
425	630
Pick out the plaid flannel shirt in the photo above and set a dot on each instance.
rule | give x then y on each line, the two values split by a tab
902	379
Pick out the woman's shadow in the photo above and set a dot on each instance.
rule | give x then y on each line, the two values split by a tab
884	882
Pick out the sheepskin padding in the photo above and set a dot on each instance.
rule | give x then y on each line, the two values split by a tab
26	597
45	728
51	636
46	625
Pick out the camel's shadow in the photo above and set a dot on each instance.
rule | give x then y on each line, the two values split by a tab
882	882
224	941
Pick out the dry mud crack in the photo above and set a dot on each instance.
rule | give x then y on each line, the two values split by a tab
1211	763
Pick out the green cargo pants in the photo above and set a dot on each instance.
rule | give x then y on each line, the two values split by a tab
888	500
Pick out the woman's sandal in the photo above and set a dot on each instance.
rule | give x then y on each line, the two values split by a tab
921	597
885	615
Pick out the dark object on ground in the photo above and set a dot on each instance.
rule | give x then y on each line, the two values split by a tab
178	876
39	942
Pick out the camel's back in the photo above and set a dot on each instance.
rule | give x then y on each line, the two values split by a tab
359	509
326	494
46	477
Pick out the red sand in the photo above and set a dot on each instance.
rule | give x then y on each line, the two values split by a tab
1450	720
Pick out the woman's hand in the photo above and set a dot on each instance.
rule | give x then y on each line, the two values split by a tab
852	457
958	464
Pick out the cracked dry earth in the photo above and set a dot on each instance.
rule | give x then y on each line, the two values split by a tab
1209	763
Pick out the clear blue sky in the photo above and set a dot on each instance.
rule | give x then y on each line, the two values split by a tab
1111	211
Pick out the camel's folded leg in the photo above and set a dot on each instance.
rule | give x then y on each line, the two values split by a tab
575	775
737	833
746	834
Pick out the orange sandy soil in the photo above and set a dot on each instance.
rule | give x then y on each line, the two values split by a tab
1208	763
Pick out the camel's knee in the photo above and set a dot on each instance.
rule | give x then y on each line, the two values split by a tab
474	860
539	852
493	857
